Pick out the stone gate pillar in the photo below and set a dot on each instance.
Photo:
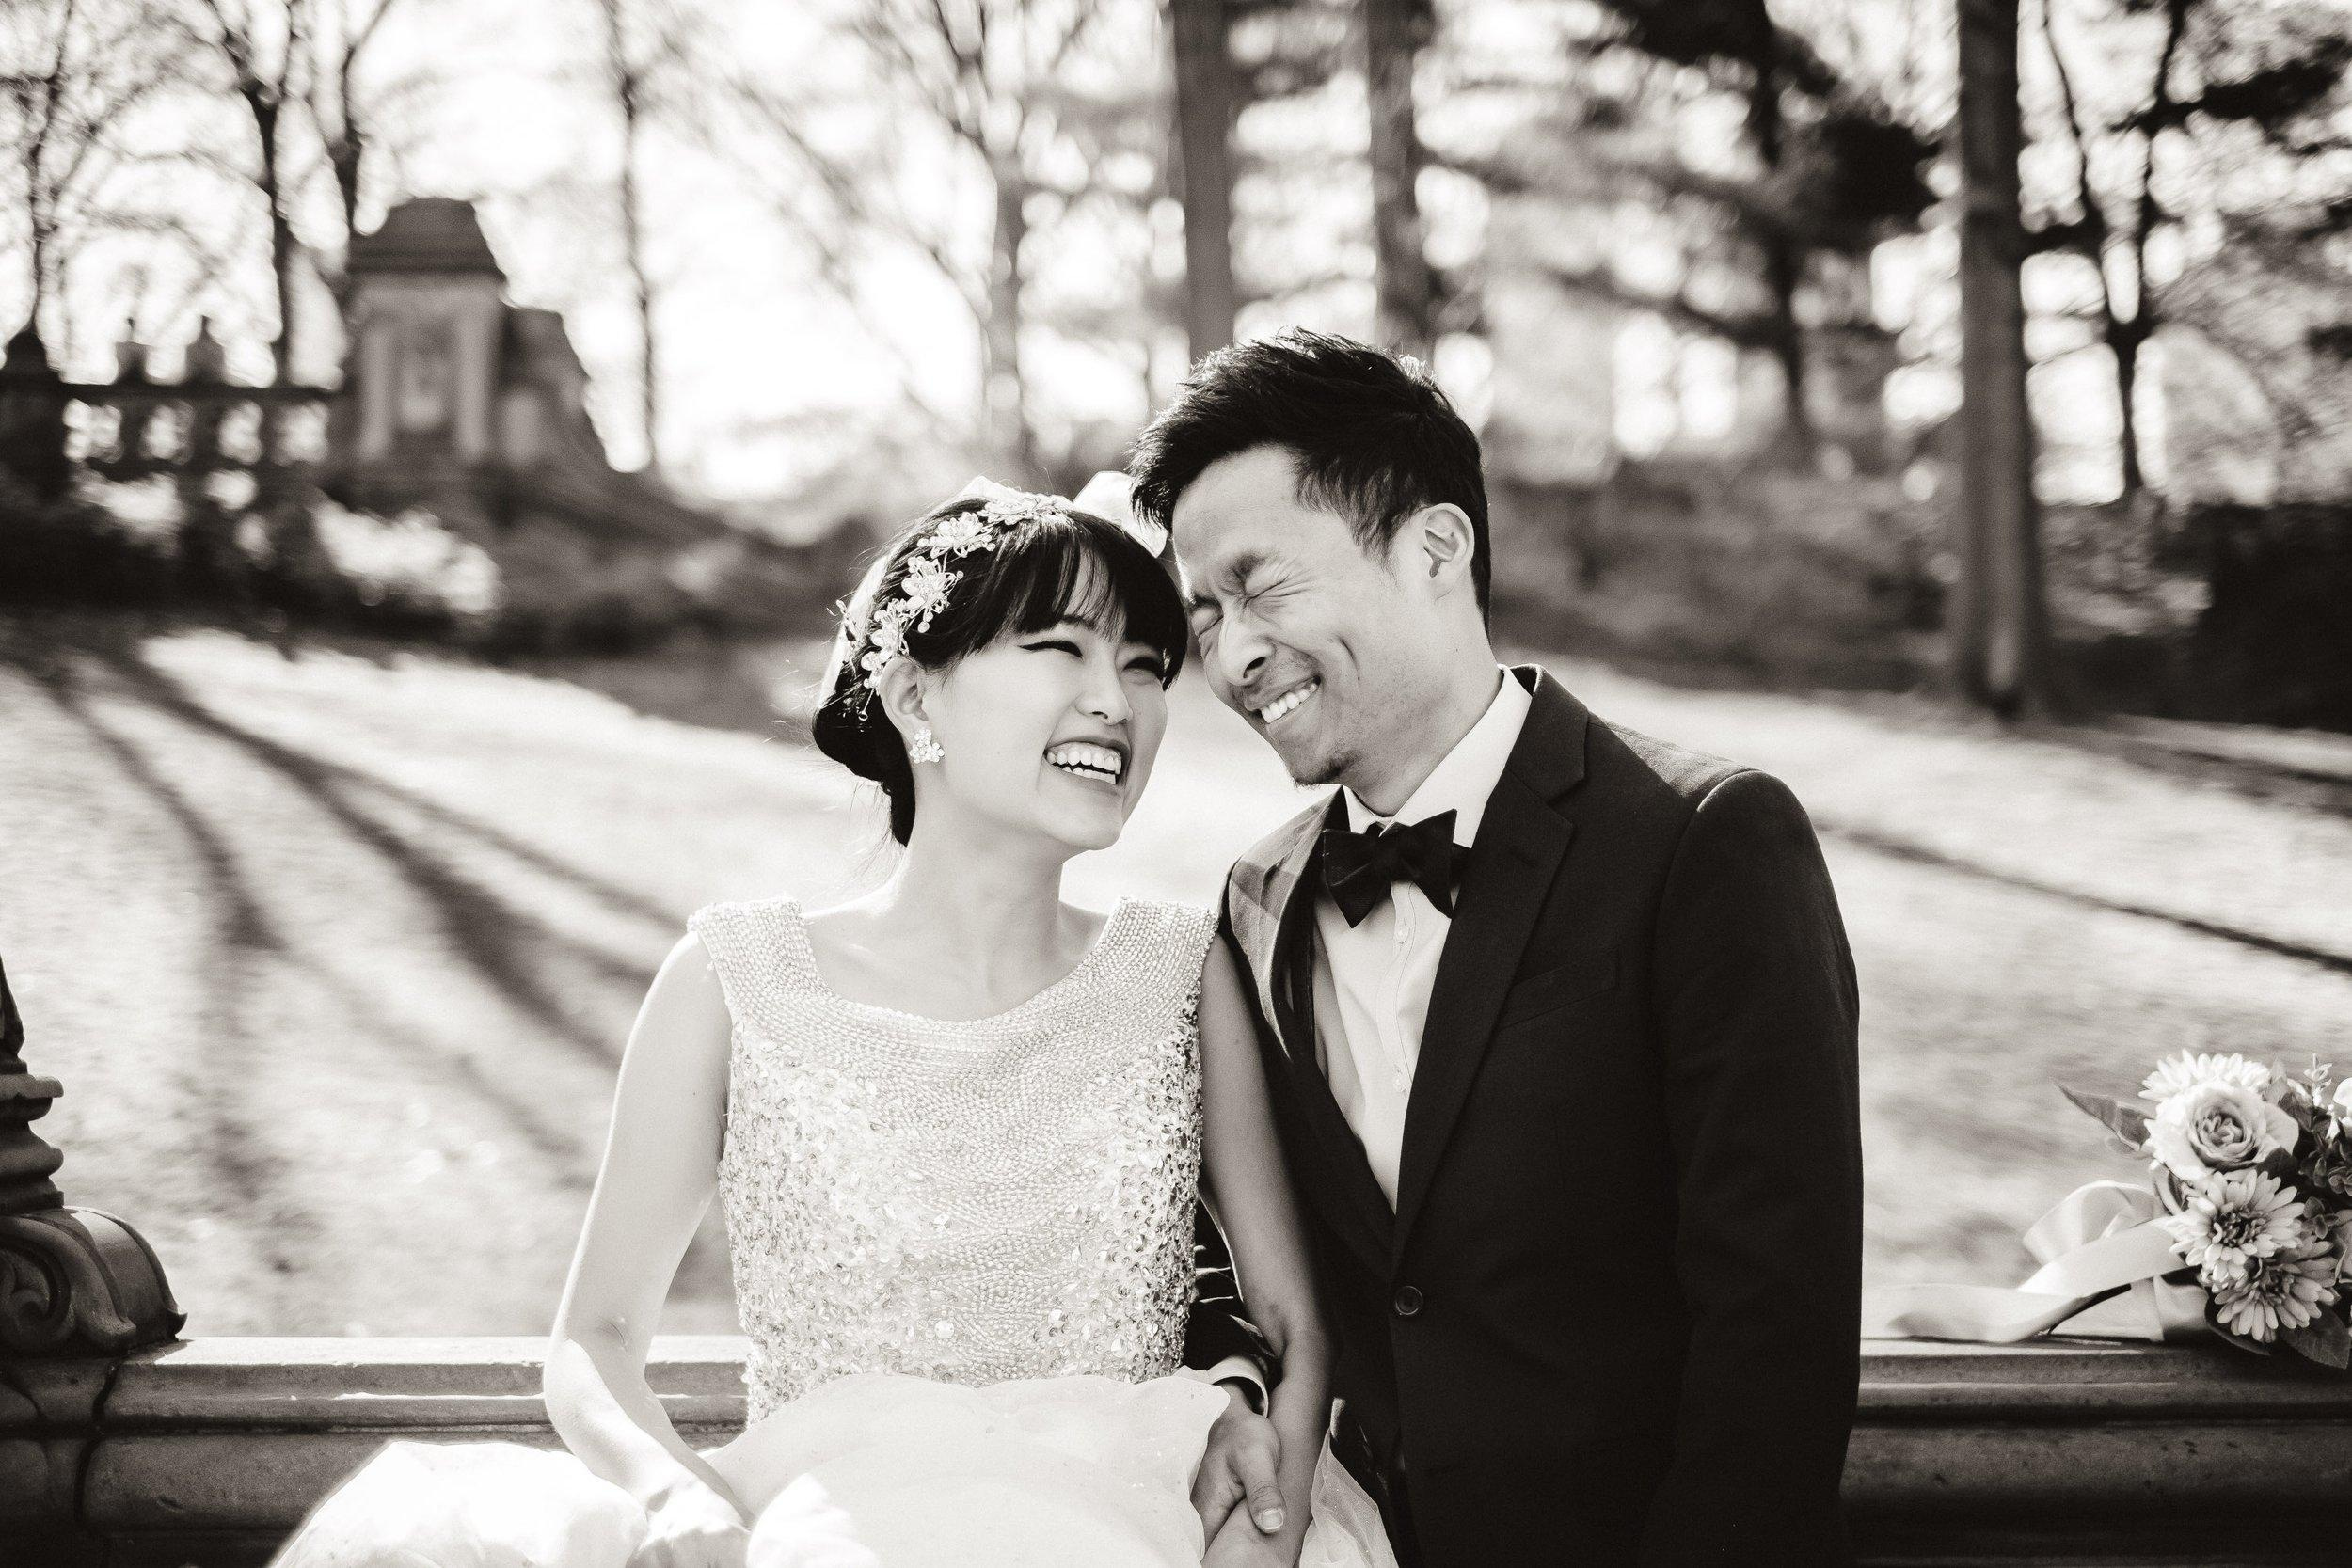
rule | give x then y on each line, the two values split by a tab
32	416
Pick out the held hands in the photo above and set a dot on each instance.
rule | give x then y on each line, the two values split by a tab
1242	1544
1235	1492
690	1525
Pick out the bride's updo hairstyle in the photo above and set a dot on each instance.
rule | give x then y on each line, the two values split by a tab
1051	565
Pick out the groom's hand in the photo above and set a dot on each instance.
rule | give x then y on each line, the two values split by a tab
1244	1455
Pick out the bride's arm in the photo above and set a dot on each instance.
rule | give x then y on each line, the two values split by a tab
1250	1193
660	1163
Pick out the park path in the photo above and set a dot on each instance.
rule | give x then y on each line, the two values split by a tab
335	949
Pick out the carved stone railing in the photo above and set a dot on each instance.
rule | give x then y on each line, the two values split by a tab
137	425
207	1452
72	1281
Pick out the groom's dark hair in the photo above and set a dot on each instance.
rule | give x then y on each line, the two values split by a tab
1372	437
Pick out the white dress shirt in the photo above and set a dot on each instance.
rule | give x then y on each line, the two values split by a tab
1373	980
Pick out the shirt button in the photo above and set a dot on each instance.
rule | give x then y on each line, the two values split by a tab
1407	1301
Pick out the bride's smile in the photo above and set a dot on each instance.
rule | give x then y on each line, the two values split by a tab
1051	732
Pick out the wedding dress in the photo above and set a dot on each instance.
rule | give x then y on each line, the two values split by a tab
963	1257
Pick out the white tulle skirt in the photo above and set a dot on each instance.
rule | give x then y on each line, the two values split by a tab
869	1472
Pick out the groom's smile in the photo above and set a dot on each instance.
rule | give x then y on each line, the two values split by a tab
1313	640
1274	709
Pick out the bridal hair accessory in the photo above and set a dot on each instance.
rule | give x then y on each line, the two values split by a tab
924	747
878	632
2242	1231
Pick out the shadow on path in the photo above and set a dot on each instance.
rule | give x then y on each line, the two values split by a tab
490	935
246	927
2272	780
766	689
1897	847
252	1177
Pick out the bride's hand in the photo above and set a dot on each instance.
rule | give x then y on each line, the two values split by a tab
689	1525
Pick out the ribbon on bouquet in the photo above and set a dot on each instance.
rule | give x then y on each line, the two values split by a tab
2101	1240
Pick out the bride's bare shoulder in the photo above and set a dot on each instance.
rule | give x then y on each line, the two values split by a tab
688	985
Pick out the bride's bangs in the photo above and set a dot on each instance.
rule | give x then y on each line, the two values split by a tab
1084	569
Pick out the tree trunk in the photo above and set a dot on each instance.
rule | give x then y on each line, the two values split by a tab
1406	288
266	111
641	288
1783	270
345	157
1998	622
282	245
1204	124
2126	349
626	84
347	149
39	266
1005	392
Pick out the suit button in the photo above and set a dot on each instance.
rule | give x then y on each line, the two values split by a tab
1407	1301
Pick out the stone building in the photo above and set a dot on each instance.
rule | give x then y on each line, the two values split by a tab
474	409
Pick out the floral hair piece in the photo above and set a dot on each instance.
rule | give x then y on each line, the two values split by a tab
881	631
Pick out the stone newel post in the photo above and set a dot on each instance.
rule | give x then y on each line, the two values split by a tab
72	1281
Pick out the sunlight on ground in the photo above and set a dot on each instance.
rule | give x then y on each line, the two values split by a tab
335	953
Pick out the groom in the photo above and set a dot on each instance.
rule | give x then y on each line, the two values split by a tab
1558	1019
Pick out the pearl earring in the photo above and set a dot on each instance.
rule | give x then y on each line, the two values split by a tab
924	747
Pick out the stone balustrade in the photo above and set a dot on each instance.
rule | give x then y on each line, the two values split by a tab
207	1452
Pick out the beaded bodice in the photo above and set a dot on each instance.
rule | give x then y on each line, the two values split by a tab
1008	1196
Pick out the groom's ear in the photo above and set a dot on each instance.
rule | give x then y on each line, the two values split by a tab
1443	546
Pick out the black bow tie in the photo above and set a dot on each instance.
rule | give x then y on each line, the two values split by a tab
1357	868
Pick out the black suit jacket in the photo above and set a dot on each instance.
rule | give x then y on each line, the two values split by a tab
1614	1318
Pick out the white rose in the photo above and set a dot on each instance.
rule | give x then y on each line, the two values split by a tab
2342	1101
2217	1127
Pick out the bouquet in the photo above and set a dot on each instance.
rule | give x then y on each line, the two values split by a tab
2254	1170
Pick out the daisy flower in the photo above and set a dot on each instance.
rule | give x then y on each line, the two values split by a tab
2233	1222
2192	1068
2279	1292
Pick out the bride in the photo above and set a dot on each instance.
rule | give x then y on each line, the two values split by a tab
955	1128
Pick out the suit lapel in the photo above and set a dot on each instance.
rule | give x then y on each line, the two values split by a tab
1280	920
1511	870
1282	962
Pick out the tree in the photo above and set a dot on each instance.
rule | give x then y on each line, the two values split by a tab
2209	68
1044	118
643	49
71	72
1203	57
343	121
293	70
265	47
1999	627
1394	32
1822	170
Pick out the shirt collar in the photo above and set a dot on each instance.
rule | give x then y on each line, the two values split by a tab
1468	775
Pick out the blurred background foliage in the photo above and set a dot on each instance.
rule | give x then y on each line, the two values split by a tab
353	346
1691	266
